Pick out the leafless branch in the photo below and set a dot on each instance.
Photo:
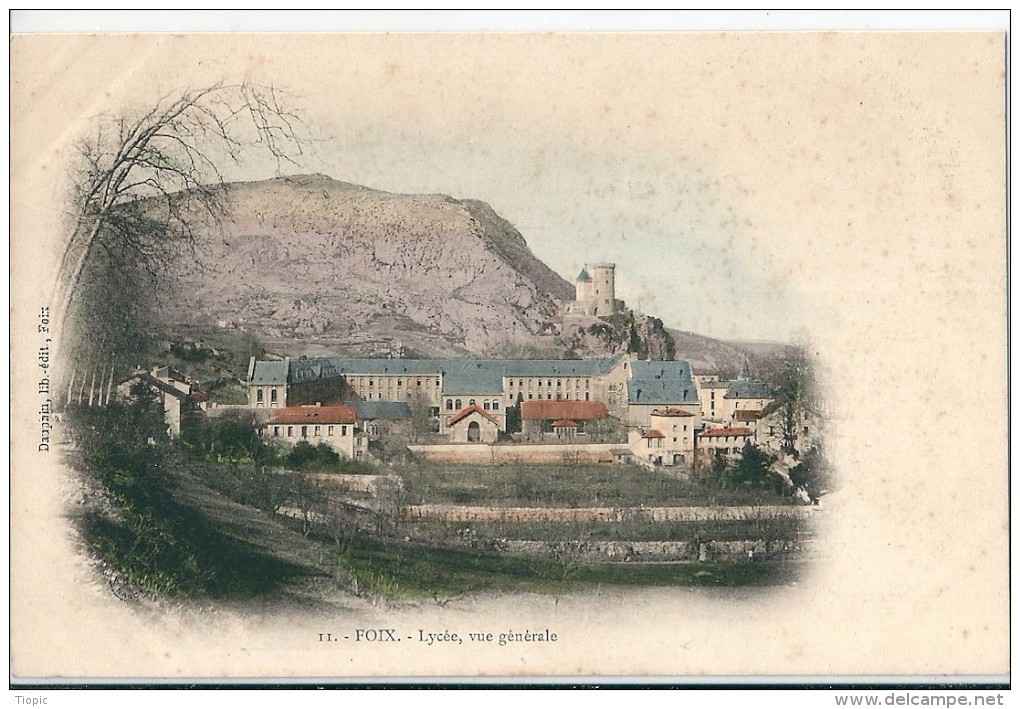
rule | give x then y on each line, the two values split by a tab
144	183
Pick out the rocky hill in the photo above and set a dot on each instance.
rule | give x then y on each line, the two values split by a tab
309	264
324	263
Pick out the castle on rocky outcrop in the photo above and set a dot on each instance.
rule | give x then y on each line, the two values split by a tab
596	292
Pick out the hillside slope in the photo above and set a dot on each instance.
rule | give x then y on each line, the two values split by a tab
349	268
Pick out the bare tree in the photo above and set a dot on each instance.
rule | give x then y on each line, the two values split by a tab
144	182
421	418
796	398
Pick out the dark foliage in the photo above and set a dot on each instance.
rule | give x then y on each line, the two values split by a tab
754	470
226	440
813	474
152	539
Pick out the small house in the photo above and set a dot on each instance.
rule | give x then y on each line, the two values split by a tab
473	424
336	426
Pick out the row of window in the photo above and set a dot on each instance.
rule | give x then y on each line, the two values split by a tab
304	430
575	383
558	396
458	404
657	442
735	438
360	382
493	405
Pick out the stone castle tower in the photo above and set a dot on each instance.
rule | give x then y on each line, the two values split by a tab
595	292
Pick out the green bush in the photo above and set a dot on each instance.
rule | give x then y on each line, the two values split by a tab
147	534
225	440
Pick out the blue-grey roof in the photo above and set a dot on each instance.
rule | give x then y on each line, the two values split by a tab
590	367
270	373
661	383
368	410
583	276
473	377
669	369
748	389
469	376
661	392
368	365
485	376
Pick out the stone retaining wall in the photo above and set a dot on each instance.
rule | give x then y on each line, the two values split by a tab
458	513
609	551
483	454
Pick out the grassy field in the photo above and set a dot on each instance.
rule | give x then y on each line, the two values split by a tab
410	572
566	486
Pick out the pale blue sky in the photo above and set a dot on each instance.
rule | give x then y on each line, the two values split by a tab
736	179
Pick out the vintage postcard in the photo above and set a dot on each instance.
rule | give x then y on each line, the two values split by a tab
662	355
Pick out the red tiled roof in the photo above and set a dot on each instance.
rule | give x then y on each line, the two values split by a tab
464	413
671	412
563	422
748	415
653	434
571	409
720	432
316	414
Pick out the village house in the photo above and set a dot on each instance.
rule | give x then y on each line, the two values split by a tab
336	426
173	391
657	385
721	400
669	438
268	383
723	441
472	383
561	419
752	419
805	427
473	425
379	419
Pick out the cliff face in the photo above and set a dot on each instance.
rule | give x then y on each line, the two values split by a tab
352	269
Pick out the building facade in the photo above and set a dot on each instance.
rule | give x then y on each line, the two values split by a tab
446	385
669	438
336	426
643	395
473	425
